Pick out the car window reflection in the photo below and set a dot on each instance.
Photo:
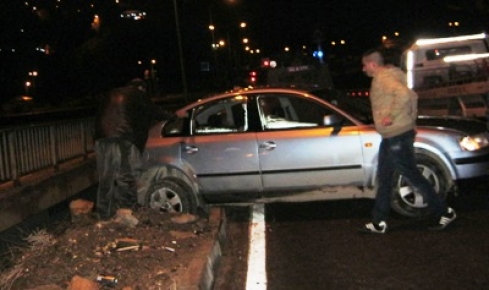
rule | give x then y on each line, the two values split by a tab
223	116
286	112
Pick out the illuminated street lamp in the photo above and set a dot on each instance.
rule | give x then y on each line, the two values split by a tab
28	84
152	87
180	49
227	41
153	72
31	82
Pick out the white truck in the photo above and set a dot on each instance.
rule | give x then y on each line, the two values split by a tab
450	75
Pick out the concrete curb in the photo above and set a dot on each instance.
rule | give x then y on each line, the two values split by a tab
200	274
41	190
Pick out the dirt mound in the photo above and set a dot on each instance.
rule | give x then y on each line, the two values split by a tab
111	254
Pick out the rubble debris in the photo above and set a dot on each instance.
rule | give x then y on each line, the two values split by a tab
80	283
185	218
125	217
81	210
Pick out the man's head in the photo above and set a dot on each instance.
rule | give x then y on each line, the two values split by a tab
372	61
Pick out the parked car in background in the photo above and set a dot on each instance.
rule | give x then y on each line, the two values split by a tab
250	144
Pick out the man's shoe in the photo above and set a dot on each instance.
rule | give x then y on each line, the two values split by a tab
444	220
375	228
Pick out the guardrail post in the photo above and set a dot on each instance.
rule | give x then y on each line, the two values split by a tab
83	131
12	144
54	146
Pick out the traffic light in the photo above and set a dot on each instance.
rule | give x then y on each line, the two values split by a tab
265	62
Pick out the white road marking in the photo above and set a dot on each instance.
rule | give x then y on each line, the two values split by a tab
257	273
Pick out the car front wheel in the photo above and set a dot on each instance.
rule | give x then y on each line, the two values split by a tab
407	201
169	196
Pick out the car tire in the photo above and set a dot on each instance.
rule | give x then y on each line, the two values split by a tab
406	201
169	196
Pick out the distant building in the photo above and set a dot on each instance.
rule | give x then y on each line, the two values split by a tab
133	15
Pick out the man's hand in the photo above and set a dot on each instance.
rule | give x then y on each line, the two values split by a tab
386	121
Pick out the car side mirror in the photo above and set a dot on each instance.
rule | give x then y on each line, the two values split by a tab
331	120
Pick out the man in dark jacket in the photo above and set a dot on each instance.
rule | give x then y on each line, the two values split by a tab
121	131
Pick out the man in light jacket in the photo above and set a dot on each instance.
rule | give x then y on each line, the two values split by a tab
394	109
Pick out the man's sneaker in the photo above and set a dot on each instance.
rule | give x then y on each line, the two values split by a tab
445	220
375	228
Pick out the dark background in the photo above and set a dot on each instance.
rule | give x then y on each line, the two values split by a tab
80	61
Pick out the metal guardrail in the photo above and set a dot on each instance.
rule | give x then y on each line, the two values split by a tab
27	149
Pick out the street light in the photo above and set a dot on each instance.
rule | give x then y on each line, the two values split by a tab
28	84
232	34
180	50
31	81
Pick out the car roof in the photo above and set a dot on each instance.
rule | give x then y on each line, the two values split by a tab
182	112
238	92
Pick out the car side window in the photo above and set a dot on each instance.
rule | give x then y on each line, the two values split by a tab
222	116
440	53
285	112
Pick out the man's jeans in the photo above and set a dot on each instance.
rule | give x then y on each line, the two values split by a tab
118	165
397	153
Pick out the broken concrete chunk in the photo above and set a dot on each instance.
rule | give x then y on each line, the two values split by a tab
184	218
124	217
80	210
80	283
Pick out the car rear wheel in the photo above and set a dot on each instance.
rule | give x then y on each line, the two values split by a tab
408	201
169	196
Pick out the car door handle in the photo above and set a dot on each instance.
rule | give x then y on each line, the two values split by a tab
269	145
191	149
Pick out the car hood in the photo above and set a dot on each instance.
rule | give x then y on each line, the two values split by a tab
467	125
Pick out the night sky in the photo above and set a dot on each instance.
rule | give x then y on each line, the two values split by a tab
364	21
84	61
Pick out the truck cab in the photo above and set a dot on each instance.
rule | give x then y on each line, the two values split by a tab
450	75
438	61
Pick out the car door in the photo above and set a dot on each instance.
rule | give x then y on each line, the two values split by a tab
221	149
297	150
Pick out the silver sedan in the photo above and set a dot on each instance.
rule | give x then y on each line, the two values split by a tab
270	144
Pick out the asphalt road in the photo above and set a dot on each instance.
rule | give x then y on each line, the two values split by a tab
316	245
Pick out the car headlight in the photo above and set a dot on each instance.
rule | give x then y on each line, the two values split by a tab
472	143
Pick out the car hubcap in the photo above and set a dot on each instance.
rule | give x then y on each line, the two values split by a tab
410	196
166	200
